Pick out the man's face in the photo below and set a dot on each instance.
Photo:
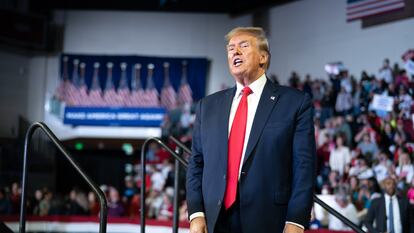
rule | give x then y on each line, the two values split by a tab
389	186
244	57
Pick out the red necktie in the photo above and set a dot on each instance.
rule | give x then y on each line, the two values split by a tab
236	142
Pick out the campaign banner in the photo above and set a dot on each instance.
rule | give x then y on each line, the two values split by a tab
382	103
107	116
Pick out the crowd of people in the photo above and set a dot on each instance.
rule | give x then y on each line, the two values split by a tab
359	147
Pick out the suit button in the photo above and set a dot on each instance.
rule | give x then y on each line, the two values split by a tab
224	177
219	203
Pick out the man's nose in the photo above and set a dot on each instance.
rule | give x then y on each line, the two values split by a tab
237	51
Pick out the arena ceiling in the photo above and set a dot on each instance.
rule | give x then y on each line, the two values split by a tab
232	7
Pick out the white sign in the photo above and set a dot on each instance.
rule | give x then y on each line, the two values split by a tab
382	103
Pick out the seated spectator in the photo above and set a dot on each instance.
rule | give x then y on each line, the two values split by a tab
383	168
404	170
344	207
166	208
5	203
115	207
93	205
130	189
77	203
410	194
45	203
368	147
361	169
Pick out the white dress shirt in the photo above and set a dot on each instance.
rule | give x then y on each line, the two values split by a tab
252	102
396	213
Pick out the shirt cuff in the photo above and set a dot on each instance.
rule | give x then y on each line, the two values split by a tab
196	215
296	224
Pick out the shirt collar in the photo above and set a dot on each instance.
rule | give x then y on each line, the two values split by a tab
256	86
389	197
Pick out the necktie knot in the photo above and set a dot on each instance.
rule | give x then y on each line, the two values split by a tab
246	91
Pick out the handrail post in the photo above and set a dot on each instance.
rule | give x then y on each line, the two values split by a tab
101	196
176	190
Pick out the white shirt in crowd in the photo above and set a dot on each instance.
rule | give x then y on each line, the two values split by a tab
349	212
339	158
406	170
386	75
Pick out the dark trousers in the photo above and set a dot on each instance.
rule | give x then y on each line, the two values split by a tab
229	220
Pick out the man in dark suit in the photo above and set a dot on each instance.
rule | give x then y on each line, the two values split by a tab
252	167
389	212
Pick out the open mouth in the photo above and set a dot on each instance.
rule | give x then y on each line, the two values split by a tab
237	62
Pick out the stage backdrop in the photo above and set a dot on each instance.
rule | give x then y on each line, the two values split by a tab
125	90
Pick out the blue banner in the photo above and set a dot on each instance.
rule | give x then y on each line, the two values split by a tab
140	117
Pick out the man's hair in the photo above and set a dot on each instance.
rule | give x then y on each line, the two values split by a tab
260	36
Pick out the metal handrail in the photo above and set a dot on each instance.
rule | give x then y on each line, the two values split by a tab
101	196
144	173
316	199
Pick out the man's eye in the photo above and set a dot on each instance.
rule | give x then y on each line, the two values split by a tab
245	45
230	49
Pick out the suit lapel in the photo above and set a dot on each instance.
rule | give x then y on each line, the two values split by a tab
224	105
383	214
266	103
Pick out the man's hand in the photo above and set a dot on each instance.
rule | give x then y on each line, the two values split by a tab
198	225
291	228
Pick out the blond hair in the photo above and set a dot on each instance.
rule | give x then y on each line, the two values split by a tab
256	32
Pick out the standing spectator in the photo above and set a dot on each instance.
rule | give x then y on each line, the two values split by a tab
157	179
343	104
385	73
340	156
389	212
402	79
404	101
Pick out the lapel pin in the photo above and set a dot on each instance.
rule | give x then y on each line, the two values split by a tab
272	97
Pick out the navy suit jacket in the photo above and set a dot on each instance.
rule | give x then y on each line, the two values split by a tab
278	171
377	214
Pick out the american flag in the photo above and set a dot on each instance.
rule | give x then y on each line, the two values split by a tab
71	94
83	89
95	93
110	96
123	90
72	97
61	88
185	93
168	95
151	93
358	9
137	93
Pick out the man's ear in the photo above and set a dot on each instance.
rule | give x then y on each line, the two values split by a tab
263	58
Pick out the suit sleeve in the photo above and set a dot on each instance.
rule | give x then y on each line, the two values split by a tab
369	218
195	169
303	166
